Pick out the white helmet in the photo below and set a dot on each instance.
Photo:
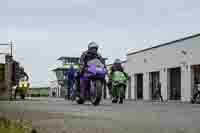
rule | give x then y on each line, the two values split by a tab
93	45
117	61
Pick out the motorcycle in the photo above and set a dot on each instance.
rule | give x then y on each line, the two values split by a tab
196	97
118	86
92	82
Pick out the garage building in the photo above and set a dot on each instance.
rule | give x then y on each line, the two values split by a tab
176	65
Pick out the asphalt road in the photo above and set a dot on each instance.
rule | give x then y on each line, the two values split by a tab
56	115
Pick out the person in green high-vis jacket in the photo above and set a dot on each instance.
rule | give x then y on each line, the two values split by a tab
117	82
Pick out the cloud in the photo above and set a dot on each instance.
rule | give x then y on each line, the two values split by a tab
44	30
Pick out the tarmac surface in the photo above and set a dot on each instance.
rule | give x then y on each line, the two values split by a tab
57	115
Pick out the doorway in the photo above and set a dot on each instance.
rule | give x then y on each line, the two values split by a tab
175	84
195	78
154	79
139	86
129	88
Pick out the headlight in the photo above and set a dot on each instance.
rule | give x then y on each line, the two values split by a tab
99	69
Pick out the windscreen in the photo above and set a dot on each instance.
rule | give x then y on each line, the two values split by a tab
96	62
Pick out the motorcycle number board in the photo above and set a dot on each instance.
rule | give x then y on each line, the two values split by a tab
99	69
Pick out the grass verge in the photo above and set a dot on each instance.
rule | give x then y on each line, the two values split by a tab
14	126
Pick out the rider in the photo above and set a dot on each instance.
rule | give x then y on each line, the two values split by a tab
197	93
90	54
117	66
23	82
71	80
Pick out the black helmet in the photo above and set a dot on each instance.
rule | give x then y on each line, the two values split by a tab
117	61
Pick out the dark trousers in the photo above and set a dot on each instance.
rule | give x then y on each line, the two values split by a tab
158	94
70	90
78	85
196	94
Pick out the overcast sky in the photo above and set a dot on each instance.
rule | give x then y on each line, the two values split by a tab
43	30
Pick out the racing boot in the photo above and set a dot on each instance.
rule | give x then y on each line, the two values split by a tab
115	100
121	101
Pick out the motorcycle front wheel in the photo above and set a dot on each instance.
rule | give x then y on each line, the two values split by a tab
80	101
96	97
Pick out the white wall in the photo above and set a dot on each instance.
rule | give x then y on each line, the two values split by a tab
168	56
186	83
162	58
146	88
125	66
163	80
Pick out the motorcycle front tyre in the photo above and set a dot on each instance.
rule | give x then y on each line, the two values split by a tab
97	98
80	100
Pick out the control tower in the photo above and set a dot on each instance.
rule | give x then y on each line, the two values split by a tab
60	71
